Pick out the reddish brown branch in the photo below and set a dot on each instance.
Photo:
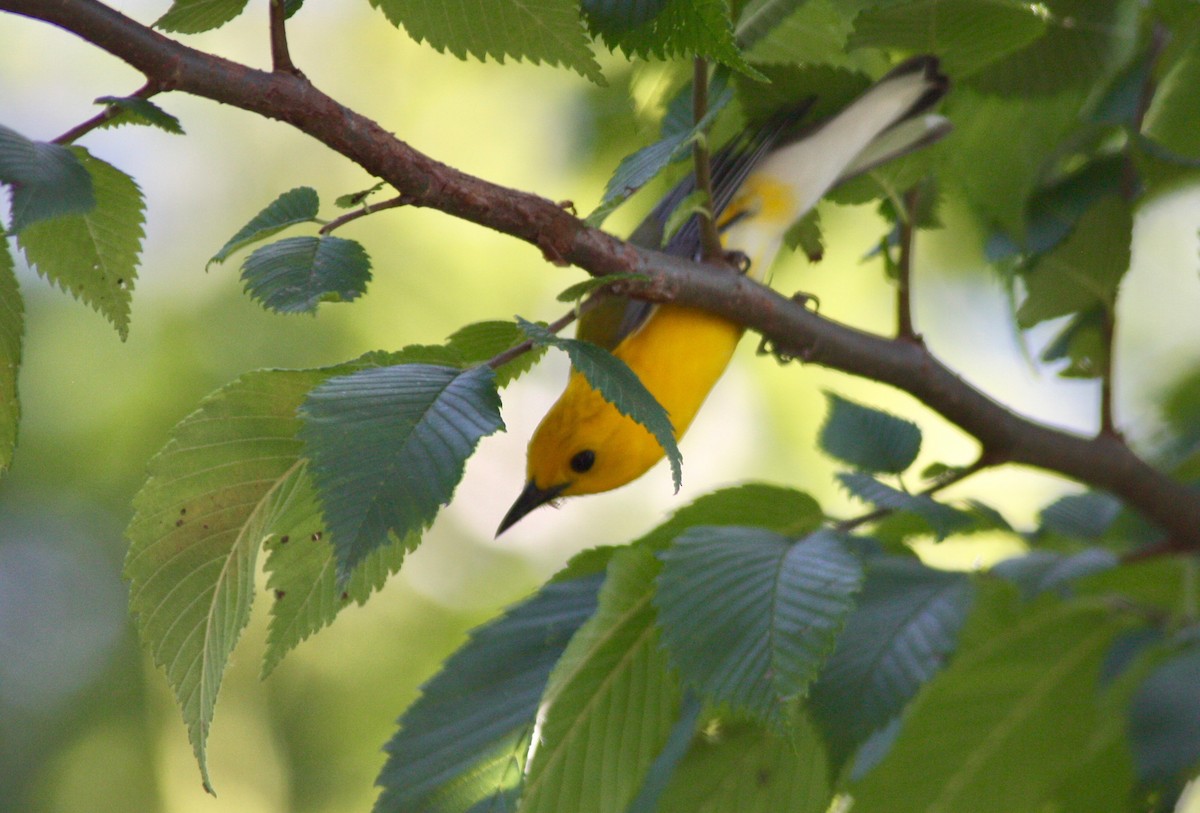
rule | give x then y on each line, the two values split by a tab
1103	461
111	111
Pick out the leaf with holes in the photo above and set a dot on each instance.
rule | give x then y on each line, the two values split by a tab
229	472
94	255
749	615
302	575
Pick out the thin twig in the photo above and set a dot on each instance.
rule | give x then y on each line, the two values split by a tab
109	112
281	57
710	238
1108	424
904	320
500	359
366	209
948	479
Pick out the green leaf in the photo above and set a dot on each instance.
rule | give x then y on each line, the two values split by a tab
1012	713
353	199
658	776
1055	210
967	35
136	110
816	33
682	28
297	205
1019	137
622	14
1084	516
1084	40
695	203
12	329
748	769
1085	270
1164	720
213	494
302	575
827	89
1170	119
941	518
900	635
547	31
47	180
296	274
480	341
94	256
618	385
639	168
610	704
868	439
466	738
388	446
756	505
749	615
576	292
1039	571
194	16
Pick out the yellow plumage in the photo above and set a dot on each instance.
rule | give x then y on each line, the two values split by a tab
584	445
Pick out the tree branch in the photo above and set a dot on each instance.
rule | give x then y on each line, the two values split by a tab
111	111
1103	461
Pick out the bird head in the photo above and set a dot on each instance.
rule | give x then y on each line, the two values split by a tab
582	446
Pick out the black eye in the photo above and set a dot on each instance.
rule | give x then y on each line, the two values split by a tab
583	461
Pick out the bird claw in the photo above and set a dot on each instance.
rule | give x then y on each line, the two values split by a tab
739	260
767	348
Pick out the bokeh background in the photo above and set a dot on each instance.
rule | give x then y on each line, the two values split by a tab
88	723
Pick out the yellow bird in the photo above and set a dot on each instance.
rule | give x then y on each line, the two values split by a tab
761	186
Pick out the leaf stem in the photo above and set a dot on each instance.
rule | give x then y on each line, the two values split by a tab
948	479
110	111
502	358
366	209
710	239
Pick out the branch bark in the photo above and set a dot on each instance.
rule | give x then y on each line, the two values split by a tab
1104	461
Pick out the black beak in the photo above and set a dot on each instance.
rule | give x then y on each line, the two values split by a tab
530	499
